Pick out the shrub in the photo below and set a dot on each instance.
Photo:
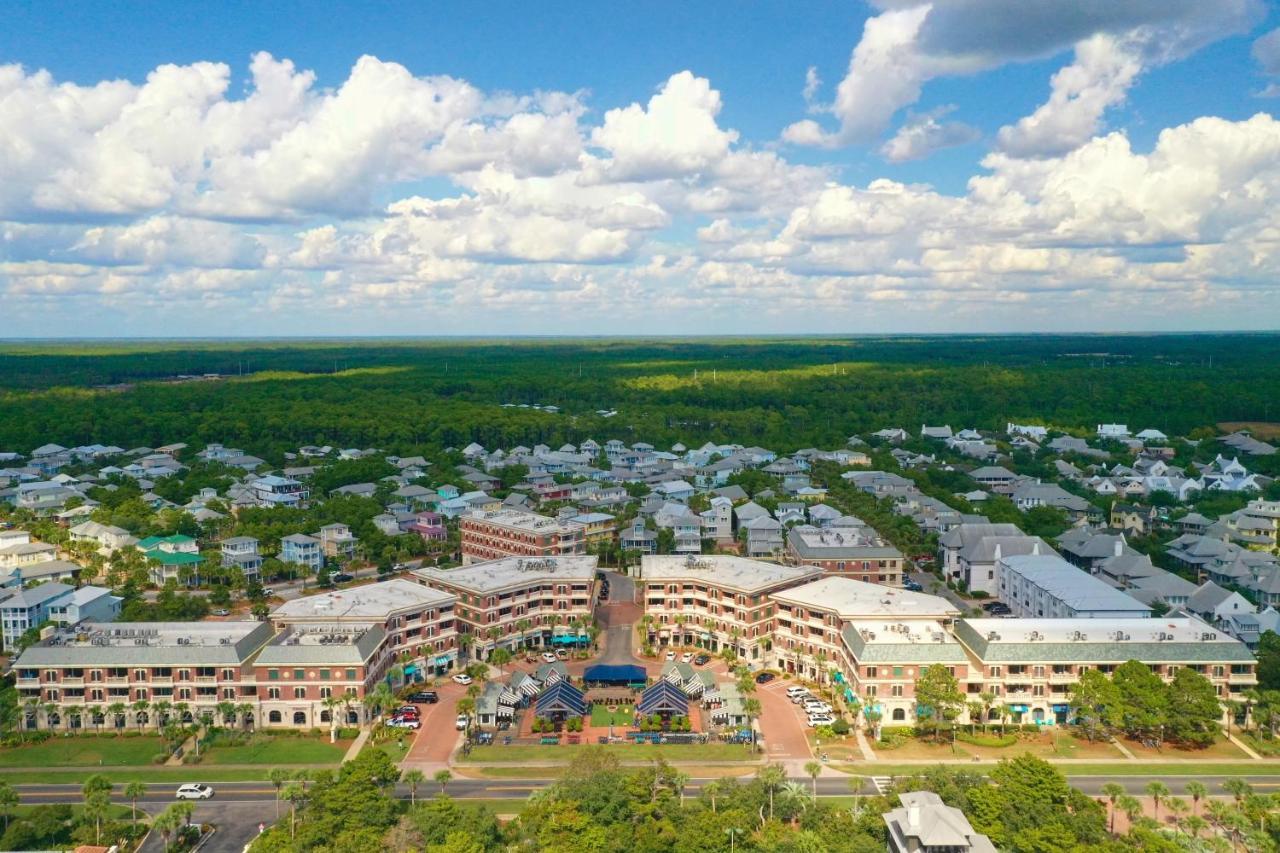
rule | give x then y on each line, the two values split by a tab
192	758
160	758
826	732
993	741
841	727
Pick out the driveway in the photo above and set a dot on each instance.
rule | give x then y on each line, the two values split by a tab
436	740
926	580
782	723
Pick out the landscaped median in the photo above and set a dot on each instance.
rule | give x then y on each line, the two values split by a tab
674	752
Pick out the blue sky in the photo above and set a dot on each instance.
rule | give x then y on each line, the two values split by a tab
962	165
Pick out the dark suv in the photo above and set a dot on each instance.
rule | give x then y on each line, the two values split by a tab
429	697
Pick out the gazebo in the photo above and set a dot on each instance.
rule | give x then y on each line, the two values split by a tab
665	699
560	701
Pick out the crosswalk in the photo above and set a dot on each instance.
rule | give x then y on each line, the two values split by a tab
882	783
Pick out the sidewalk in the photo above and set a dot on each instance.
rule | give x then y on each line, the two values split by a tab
357	745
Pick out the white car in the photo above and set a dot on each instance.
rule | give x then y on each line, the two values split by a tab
817	708
671	655
801	698
462	678
193	791
549	657
821	720
462	722
687	657
793	692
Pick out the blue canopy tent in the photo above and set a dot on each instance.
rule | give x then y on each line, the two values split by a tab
615	675
559	701
664	698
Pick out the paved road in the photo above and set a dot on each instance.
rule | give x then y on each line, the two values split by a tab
236	822
926	579
258	798
618	615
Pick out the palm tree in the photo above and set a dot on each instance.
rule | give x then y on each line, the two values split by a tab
139	708
442	777
751	707
1157	791
1130	806
771	776
1196	791
294	793
1193	825
814	769
95	714
161	708
500	658
988	699
331	704
712	790
278	776
523	626
167	822
133	792
116	710
413	778
1113	791
678	781
1237	788
243	712
1177	807
8	801
226	710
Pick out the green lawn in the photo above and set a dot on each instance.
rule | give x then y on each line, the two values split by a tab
84	752
623	717
1121	768
262	748
392	748
159	775
625	751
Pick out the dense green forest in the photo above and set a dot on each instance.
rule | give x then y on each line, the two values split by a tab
784	393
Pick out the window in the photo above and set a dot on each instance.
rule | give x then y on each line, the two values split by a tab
299	693
299	675
326	692
273	692
351	675
273	674
273	717
324	675
897	672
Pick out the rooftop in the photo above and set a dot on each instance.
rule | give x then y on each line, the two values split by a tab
852	599
521	520
494	575
737	572
324	643
370	603
151	643
1099	640
1076	588
843	542
918	641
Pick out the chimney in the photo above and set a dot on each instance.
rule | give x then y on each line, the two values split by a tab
913	816
999	552
1119	546
1035	548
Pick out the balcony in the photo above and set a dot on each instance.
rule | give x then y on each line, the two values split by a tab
68	681
28	682
117	680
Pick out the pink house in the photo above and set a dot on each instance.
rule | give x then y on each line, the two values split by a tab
430	526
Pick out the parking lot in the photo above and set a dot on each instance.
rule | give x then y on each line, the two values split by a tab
782	723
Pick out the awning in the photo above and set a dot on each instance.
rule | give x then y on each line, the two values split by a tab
848	695
1061	709
706	635
410	669
443	660
839	677
1018	709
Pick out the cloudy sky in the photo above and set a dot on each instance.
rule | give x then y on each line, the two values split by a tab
618	168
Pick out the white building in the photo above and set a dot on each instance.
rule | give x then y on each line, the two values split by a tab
1045	586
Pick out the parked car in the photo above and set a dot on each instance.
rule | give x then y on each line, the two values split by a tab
671	655
797	690
222	611
428	697
812	708
801	698
462	678
193	791
549	657
764	678
561	654
404	723
702	660
341	577
913	585
406	711
821	720
462	722
997	608
687	657
267	593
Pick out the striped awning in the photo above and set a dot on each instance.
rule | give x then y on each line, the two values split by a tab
530	687
509	696
694	686
552	676
711	696
673	675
